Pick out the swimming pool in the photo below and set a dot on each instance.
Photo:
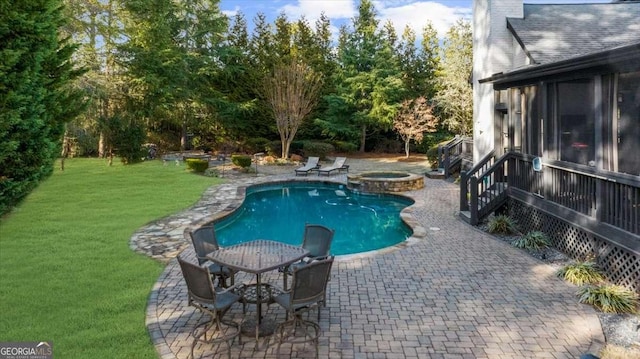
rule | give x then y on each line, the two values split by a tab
362	222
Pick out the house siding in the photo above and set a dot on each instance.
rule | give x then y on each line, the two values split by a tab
492	53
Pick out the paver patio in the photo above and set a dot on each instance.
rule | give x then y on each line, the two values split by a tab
455	292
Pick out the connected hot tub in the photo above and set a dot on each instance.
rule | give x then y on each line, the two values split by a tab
385	181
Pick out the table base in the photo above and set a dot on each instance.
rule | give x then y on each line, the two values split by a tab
266	327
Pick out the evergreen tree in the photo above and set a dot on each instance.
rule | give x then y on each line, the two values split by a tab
370	85
36	73
455	97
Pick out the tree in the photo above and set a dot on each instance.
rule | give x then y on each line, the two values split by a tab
455	97
292	92
171	53
36	73
369	86
413	120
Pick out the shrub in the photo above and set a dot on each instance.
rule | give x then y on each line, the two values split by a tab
211	172
345	147
609	298
257	144
532	240
502	224
243	161
317	149
274	148
197	165
580	273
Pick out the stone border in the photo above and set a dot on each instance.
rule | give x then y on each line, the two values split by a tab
165	238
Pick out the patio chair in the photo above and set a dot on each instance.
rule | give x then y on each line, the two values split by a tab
204	242
210	301
317	240
311	165
338	165
308	289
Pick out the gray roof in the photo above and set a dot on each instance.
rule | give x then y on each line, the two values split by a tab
552	32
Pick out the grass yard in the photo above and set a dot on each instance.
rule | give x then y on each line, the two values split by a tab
67	274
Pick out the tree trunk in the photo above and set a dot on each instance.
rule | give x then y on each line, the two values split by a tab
363	137
101	151
406	147
183	135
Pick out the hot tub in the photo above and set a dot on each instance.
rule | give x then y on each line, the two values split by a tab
384	181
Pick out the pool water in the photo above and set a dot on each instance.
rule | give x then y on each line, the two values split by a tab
362	222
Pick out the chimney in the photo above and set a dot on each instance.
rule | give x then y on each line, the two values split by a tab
493	52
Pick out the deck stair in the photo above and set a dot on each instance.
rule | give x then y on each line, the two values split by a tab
483	189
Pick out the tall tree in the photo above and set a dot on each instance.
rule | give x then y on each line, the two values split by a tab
292	92
455	97
413	120
36	73
172	49
370	85
96	27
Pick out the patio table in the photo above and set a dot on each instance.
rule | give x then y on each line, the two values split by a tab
257	257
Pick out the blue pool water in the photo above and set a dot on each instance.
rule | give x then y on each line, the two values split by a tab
362	222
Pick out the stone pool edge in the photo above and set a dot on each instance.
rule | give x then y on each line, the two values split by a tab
164	238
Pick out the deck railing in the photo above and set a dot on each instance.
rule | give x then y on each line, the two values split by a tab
606	197
452	154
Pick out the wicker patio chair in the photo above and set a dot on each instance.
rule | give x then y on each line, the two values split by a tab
308	289
213	302
204	242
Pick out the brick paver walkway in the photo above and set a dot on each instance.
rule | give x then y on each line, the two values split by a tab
455	293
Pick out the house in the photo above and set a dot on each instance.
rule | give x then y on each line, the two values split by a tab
557	126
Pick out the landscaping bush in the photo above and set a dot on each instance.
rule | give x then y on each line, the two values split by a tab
502	224
243	161
197	165
345	147
274	148
317	149
257	144
211	172
580	273
533	240
609	298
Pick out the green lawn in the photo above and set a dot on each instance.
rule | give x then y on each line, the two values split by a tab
66	271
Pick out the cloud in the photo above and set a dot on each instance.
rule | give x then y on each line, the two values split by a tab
231	13
311	9
415	14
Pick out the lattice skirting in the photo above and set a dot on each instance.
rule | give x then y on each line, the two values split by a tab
621	266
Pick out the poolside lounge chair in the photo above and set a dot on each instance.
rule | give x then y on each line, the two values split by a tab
311	165
338	165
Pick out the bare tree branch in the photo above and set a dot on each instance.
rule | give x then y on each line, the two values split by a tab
292	93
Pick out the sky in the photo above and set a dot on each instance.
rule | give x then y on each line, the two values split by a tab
415	13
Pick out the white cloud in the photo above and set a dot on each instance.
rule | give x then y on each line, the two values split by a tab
416	14
312	9
231	13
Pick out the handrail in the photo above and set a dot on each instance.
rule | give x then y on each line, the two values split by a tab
450	154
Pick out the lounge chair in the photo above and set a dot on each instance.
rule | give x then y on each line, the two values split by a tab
311	165
338	165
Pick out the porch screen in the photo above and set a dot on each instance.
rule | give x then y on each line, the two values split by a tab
628	129
575	111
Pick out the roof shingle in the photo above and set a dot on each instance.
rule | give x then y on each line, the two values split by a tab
553	32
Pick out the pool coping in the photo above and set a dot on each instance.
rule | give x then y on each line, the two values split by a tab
165	238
